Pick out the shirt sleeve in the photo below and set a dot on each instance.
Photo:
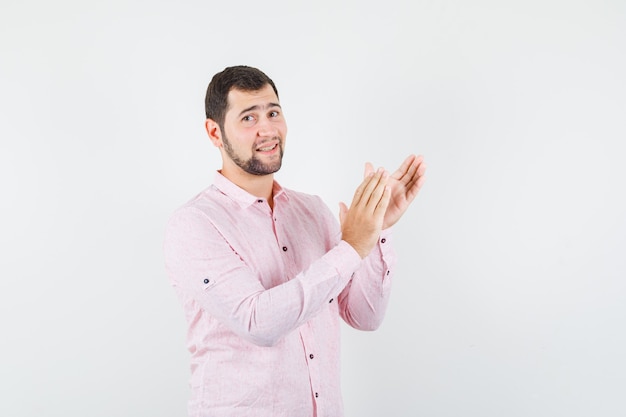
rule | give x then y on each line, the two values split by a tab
363	302
231	292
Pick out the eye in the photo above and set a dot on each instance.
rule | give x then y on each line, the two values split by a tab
274	113
248	118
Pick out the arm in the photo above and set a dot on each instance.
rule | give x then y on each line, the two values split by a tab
203	265
196	252
363	302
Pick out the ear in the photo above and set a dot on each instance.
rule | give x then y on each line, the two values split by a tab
214	132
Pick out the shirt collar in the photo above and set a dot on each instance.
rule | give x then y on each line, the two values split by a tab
241	196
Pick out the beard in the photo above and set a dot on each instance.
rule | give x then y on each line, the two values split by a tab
254	165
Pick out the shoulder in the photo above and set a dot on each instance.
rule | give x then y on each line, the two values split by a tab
309	205
298	197
306	203
204	206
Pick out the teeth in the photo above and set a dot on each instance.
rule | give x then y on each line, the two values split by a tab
267	148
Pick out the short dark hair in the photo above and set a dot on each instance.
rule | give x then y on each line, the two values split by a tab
239	77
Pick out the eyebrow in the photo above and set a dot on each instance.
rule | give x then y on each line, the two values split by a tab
257	107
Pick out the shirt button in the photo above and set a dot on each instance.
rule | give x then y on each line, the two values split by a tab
311	356
284	248
206	280
387	272
331	300
259	201
316	395
383	240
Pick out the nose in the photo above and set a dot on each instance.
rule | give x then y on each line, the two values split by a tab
266	128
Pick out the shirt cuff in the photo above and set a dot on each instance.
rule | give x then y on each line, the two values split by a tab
385	239
344	258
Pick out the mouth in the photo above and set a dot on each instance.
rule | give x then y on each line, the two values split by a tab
268	147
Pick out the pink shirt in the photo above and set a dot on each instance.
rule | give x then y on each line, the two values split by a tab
262	292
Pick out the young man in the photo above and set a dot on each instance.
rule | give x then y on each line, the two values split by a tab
264	272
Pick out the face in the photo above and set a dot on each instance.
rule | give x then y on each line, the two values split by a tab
254	131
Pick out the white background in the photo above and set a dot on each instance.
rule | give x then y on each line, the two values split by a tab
509	297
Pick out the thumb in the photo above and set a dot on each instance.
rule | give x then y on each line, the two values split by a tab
343	210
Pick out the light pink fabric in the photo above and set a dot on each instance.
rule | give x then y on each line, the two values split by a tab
262	293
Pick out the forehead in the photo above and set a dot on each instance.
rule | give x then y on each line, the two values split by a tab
239	100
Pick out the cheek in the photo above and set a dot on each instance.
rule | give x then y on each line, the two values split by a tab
242	139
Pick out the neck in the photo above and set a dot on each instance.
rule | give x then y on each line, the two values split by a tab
257	185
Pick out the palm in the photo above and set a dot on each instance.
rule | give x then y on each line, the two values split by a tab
404	183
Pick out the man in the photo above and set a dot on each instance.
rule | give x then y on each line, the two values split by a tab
264	273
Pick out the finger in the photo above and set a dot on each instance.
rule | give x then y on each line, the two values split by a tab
369	168
410	178
417	167
371	188
383	203
404	167
412	171
419	172
378	191
415	188
343	210
421	167
414	174
358	193
416	183
363	192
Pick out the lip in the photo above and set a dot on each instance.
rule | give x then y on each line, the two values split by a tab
268	147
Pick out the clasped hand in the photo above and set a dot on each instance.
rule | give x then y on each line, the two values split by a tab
379	202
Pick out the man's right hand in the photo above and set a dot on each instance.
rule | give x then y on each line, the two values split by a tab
362	222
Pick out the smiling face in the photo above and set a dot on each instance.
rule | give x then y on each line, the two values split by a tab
254	132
